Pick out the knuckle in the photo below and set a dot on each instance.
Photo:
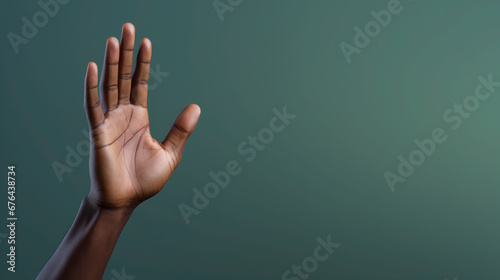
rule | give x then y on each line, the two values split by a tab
126	76
110	87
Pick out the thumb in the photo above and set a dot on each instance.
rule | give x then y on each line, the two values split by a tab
181	130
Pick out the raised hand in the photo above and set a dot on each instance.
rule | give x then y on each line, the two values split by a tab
128	166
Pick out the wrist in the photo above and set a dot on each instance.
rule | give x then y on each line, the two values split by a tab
99	222
94	208
104	202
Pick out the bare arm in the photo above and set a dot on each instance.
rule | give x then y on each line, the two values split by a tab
127	166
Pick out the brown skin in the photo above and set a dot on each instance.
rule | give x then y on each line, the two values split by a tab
127	166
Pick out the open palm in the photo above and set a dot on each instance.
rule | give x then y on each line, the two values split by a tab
128	166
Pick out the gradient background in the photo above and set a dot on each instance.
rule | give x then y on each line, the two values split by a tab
322	175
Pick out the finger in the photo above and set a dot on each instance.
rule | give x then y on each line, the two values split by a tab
181	130
139	93
126	61
109	76
91	100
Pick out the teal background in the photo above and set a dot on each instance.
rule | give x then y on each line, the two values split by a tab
323	175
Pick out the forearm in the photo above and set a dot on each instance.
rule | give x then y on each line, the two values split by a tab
88	245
